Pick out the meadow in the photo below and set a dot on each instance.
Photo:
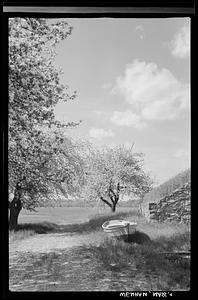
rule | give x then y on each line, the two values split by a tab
55	248
63	215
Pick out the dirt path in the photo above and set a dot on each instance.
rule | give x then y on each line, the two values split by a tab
43	243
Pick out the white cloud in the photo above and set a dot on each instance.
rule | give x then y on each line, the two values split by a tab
159	110
153	93
126	118
180	45
100	133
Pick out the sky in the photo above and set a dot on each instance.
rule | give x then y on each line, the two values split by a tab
132	78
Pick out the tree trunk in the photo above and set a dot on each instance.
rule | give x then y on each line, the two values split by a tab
113	207
114	200
15	208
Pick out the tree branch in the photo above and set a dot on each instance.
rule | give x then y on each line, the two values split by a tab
110	190
105	201
118	190
111	197
115	197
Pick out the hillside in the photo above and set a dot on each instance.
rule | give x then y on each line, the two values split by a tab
168	186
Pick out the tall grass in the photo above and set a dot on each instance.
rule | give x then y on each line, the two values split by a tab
138	264
20	235
147	259
113	265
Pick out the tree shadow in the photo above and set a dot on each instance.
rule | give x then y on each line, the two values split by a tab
41	228
137	237
48	227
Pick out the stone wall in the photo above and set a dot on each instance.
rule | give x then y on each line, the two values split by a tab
175	207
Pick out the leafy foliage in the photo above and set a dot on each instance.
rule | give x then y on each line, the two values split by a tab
40	156
114	171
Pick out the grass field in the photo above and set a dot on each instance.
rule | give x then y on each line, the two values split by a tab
109	265
63	215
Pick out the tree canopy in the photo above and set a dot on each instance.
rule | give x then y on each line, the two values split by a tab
41	158
39	154
111	172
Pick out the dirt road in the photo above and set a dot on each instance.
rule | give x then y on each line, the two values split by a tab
50	242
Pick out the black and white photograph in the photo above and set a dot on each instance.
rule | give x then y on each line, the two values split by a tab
99	153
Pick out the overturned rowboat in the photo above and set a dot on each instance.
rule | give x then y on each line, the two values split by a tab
119	228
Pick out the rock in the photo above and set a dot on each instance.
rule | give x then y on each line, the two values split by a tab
175	206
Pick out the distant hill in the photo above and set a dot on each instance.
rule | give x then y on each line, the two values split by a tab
168	186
